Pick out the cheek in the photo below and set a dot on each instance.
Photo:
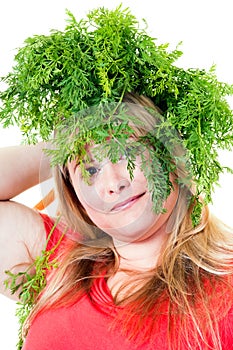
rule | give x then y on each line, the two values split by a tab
98	218
96	197
93	198
92	204
89	196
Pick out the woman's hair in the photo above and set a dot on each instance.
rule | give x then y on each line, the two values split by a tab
186	286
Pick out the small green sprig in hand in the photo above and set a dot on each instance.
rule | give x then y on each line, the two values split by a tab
30	285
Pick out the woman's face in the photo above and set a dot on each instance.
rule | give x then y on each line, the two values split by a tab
116	204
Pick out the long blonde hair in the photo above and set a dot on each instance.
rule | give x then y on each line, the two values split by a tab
194	268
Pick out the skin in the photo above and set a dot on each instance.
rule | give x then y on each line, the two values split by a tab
115	203
22	233
123	209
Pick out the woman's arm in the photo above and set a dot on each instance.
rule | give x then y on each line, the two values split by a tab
22	233
22	239
22	167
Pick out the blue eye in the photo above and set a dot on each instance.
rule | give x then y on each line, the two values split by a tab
92	170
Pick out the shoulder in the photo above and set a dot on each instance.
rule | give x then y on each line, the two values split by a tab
52	230
226	329
58	235
223	309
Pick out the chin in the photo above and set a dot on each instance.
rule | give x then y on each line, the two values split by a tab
137	230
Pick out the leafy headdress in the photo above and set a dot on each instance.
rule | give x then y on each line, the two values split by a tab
78	76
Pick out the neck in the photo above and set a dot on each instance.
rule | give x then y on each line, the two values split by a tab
142	255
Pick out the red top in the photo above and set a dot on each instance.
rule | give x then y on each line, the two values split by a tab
85	325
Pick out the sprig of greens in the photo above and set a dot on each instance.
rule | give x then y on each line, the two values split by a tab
29	285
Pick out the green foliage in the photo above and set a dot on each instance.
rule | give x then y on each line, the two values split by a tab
29	285
205	122
111	127
89	62
94	62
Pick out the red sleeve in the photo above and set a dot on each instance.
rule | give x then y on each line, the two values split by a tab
53	234
59	235
226	331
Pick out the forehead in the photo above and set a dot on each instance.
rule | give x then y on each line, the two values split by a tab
112	151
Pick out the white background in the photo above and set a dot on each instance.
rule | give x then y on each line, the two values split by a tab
205	28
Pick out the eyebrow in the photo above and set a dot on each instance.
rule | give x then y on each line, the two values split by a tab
89	160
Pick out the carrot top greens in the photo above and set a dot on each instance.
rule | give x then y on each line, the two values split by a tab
93	62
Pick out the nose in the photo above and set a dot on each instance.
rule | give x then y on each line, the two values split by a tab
116	178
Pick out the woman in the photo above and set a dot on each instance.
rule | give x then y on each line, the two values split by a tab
140	263
152	279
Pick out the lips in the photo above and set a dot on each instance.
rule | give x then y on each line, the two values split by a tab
127	203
